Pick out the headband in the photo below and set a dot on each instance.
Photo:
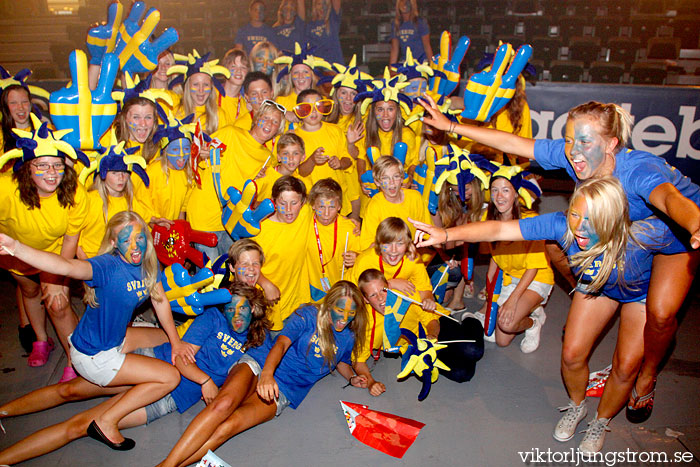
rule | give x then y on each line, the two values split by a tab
347	76
116	158
186	66
137	88
515	174
385	90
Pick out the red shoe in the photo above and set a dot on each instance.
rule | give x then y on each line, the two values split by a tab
68	374
40	353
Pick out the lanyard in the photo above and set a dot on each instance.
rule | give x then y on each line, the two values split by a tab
238	107
320	248
371	339
381	266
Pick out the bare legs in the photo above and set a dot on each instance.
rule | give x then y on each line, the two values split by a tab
509	327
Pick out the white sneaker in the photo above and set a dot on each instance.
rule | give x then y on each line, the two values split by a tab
482	318
532	336
595	436
573	414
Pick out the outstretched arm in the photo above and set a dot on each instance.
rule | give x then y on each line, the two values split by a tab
267	386
49	262
683	211
501	140
487	231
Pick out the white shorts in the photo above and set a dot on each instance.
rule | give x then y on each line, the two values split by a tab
542	289
100	368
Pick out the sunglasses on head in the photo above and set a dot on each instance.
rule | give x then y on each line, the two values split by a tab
323	106
279	107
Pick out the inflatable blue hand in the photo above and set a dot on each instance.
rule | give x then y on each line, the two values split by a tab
182	290
489	90
421	358
424	177
88	113
449	66
238	218
367	179
137	54
102	37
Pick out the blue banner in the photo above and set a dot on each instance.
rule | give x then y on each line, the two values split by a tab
666	119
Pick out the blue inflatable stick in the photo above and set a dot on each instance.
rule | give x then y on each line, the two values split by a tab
182	290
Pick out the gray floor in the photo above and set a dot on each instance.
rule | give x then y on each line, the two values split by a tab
508	409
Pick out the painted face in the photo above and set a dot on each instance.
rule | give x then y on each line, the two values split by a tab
239	70
141	119
393	252
345	99
375	294
585	147
301	77
405	7
289	11
580	225
256	93
257	12
178	152
238	314
385	113
504	196
467	191
288	205
390	184
290	157
164	62
322	7
264	60
19	105
267	126
47	173
326	210
115	181
343	312
199	88
416	87
247	269
132	243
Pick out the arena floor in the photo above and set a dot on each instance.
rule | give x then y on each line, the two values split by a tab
506	412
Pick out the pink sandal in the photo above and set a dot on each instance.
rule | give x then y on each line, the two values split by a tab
40	353
68	374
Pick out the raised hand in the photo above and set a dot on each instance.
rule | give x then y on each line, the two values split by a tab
448	66
137	54
488	91
239	220
102	37
182	290
88	113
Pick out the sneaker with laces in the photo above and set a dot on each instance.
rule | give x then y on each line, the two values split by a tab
573	414
531	341
595	436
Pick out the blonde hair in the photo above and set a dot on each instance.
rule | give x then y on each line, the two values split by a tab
266	109
608	213
100	186
150	269
334	116
326	188
121	127
241	246
394	229
383	164
211	106
286	87
324	322
276	87
232	54
163	158
414	13
280	19
372	127
615	122
316	13
290	139
450	206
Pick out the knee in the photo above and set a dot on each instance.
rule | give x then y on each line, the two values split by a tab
661	316
626	369
572	357
59	312
223	406
172	377
69	392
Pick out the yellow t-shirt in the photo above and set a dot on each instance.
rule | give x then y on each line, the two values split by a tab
331	138
235	107
201	114
244	122
379	209
167	194
514	258
285	265
408	269
332	257
242	159
203	206
266	182
386	148
42	228
287	101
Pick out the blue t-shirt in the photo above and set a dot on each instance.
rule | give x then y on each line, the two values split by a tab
411	34
303	363
219	349
288	34
639	173
326	43
652	233
119	289
250	35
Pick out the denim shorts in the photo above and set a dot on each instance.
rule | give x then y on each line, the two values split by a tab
542	289
163	406
282	401
100	368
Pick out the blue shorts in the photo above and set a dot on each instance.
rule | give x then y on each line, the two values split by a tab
164	405
282	401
